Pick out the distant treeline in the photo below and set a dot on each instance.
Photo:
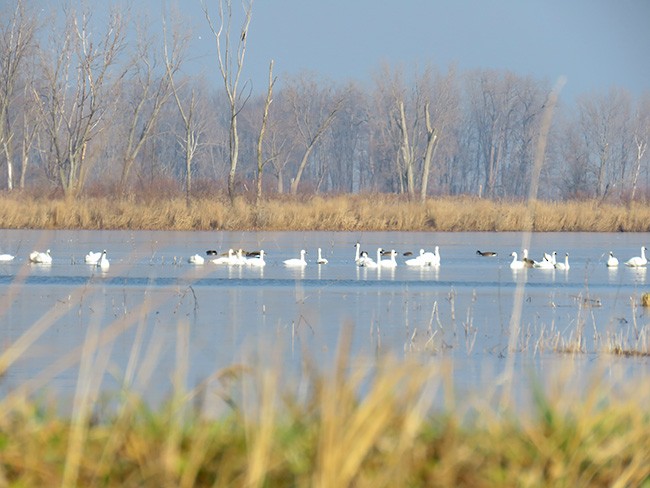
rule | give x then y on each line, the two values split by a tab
112	105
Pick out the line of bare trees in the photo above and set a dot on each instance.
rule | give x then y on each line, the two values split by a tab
113	103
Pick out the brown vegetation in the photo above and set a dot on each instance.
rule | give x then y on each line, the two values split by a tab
375	212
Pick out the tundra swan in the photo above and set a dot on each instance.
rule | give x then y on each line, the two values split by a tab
612	261
416	261
103	262
321	259
563	265
297	261
93	257
528	263
6	257
432	258
257	260
390	262
516	264
41	257
361	258
228	259
196	259
637	261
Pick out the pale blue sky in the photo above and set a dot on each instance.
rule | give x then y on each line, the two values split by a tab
594	43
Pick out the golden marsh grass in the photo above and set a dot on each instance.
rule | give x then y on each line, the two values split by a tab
333	436
336	213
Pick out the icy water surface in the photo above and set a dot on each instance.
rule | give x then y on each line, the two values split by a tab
459	313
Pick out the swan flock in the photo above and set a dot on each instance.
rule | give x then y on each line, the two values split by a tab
384	258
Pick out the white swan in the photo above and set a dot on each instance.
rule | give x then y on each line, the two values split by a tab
359	257
257	260
390	262
229	259
93	257
612	261
321	259
543	264
565	264
433	259
239	258
362	258
637	261
103	262
6	257
297	261
547	262
41	257
528	263
416	261
516	264
194	259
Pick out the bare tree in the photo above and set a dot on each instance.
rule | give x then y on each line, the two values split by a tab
231	70
641	137
191	123
261	161
31	125
17	31
77	93
149	89
601	119
313	111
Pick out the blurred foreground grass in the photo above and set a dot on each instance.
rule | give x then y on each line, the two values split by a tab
326	434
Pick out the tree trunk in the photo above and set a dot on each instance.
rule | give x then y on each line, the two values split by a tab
260	139
428	155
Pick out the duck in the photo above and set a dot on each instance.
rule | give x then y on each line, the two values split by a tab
41	257
516	264
6	258
93	257
612	261
211	252
637	261
297	261
103	262
321	259
487	254
194	259
563	265
257	260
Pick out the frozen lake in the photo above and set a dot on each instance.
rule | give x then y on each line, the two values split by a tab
151	301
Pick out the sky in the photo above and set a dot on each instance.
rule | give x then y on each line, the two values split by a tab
595	44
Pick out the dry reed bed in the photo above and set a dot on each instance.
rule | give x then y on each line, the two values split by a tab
336	213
